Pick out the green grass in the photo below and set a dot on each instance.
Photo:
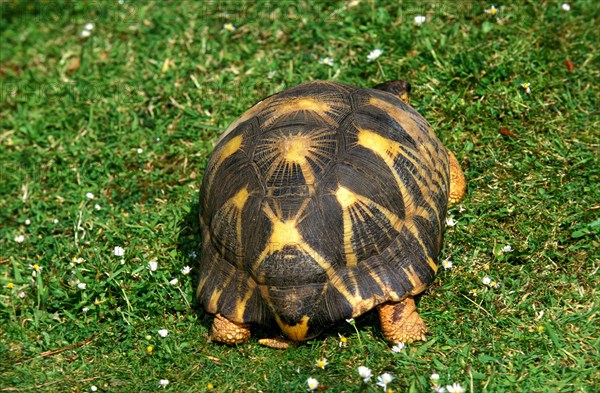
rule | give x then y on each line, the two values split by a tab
74	112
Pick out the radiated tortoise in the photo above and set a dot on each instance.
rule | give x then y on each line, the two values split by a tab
319	204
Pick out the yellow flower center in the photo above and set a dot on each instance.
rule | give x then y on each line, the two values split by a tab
36	267
10	285
149	348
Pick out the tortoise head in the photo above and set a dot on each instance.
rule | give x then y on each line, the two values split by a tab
399	88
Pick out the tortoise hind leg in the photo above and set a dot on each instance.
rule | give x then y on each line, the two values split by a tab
400	322
228	332
458	184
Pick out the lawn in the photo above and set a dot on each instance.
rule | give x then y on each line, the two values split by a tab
105	131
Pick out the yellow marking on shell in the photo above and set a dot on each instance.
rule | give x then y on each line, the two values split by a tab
281	154
295	148
288	106
383	147
296	332
256	109
432	264
231	213
403	117
410	123
309	104
388	151
375	142
285	233
222	154
240	307
376	278
349	201
228	149
345	197
240	199
214	299
205	245
211	266
418	285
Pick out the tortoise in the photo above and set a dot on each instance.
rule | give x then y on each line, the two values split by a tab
318	204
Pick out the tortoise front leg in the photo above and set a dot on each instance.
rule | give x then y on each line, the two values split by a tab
400	322
225	331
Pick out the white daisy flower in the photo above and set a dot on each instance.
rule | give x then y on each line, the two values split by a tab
383	380
186	270
419	20
492	10
327	61
163	383
455	388
321	363
312	383
447	264
374	54
365	373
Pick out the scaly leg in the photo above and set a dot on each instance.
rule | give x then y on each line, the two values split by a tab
277	342
225	331
400	322
458	184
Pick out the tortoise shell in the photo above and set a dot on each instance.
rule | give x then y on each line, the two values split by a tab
318	204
